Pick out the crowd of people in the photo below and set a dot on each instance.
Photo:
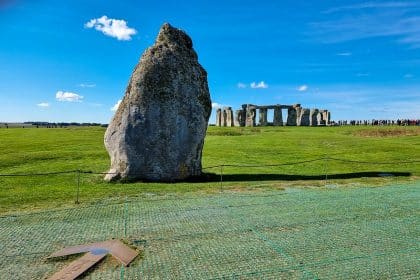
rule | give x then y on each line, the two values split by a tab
402	122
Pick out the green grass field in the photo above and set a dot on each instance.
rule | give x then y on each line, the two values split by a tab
54	150
323	219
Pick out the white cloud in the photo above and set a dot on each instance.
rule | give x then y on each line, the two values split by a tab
344	54
115	107
362	74
303	88
87	85
43	105
116	28
241	85
261	84
68	96
216	105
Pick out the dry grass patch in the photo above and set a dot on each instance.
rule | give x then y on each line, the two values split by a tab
388	132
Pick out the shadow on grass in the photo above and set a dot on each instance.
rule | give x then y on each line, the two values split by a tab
211	177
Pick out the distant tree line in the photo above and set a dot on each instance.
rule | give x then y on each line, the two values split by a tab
50	124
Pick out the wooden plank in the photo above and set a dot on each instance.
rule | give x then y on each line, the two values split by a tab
115	247
76	250
78	267
121	251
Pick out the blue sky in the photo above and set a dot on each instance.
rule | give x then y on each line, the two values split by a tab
65	61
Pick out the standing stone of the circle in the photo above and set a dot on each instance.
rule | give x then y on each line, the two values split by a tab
251	113
242	117
291	116
313	117
224	117
239	118
298	113
320	117
277	118
229	116
158	130
263	117
304	117
219	117
327	117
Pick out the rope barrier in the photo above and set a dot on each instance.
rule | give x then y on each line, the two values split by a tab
38	174
373	163
219	166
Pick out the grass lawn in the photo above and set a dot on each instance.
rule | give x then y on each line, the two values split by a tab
322	219
32	150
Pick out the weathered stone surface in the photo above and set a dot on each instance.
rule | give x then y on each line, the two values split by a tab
298	113
291	116
158	130
277	118
229	116
219	117
263	116
319	118
326	117
239	118
224	118
251	113
313	121
304	117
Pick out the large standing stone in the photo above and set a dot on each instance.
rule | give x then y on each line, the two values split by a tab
291	116
219	117
313	120
278	118
326	117
251	113
263	116
304	117
158	130
239	119
298	113
321	117
224	118
229	116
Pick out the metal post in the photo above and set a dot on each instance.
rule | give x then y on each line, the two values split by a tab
325	170
221	178
125	217
78	187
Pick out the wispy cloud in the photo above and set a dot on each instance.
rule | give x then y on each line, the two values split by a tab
216	105
259	85
362	74
349	101
302	88
371	19
408	76
87	85
344	54
65	96
43	105
115	107
371	5
116	28
241	85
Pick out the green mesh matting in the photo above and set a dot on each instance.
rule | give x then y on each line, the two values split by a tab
328	233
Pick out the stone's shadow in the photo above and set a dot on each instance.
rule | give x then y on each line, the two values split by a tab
211	177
